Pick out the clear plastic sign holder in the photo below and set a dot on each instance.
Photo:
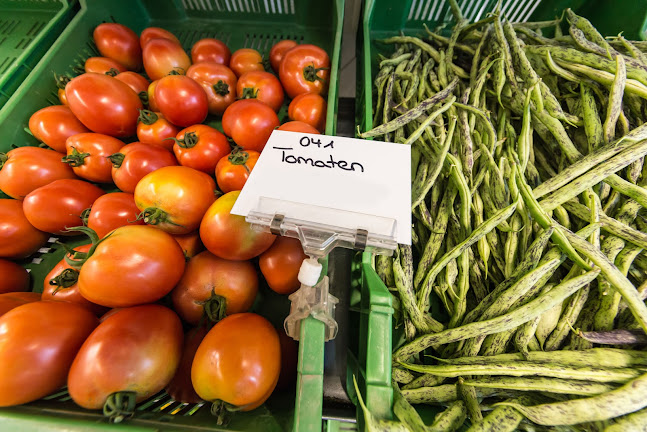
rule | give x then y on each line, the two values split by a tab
308	224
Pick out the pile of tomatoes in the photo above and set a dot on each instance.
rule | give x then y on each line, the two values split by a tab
165	236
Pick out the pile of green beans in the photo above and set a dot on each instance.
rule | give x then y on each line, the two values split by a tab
521	302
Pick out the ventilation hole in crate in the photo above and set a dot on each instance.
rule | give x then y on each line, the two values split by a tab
2	40
525	12
12	27
435	10
6	63
23	43
36	28
4	24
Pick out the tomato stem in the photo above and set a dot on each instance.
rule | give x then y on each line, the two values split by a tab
112	72
155	216
61	80
85	215
120	406
215	307
76	259
190	140
147	117
238	156
143	96
219	410
64	279
221	88
249	93
117	159
310	73
75	159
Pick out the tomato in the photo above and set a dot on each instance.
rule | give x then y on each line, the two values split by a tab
155	130
119	43
12	300
111	211
136	349
309	108
278	51
152	103
54	124
190	243
135	81
14	277
305	69
262	86
181	100
163	56
25	169
250	123
298	126
200	147
103	65
214	287
238	362
289	361
175	198
104	104
60	284
57	206
246	60
87	154
156	33
229	236
218	82
180	388
280	265
38	342
136	264
18	238
61	82
135	160
233	171
210	50
62	97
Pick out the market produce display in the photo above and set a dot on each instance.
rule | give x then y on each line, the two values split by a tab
145	157
521	301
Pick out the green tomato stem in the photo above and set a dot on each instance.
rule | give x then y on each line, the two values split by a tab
120	406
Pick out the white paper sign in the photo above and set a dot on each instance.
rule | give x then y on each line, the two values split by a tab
352	175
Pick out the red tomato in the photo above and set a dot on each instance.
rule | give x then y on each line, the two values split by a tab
280	265
136	349
238	362
210	50
60	284
309	108
54	124
62	97
119	43
305	69
200	147
214	287
156	33
289	361
163	56
190	243
262	86
112	211
103	65
181	100
12	300
25	169
218	82
298	126
152	103
61	82
155	130
180	388
250	123
229	236
87	154
14	277
38	342
135	160
233	171
246	60
136	264
18	238
175	198
57	206
104	104
135	81
278	51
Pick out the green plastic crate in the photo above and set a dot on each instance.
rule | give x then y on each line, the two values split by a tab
384	18
27	29
239	23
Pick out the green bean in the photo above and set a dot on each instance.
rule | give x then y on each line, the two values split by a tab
444	393
384	269
451	419
636	421
395	61
588	31
522	369
433	53
629	398
444	40
615	337
425	74
468	396
592	123
426	380
615	100
501	323
372	424
501	419
405	412
541	384
585	44
632	49
402	376
524	334
632	86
